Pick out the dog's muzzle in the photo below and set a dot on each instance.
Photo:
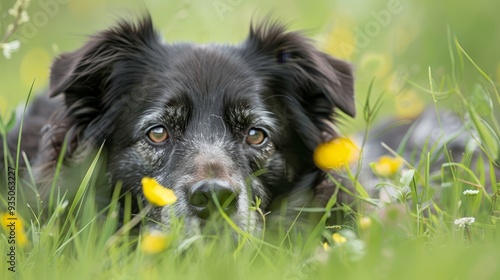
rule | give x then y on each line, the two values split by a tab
204	196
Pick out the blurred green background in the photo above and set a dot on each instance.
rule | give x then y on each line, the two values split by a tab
389	40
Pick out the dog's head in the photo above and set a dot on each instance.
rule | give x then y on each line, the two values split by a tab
232	122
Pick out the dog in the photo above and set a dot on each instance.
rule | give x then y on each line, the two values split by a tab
236	122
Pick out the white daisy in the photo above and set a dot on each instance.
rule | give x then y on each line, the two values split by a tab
465	221
10	47
471	192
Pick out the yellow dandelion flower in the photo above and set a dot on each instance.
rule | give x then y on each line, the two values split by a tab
326	247
378	64
155	242
340	42
387	166
35	63
156	194
409	105
336	153
13	225
365	223
338	238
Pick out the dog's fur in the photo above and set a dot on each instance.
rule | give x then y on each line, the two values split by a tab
125	81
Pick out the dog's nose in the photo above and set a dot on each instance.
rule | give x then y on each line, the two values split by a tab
202	194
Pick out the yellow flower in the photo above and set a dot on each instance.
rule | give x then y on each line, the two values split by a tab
376	63
409	105
35	63
326	247
335	154
340	42
13	225
365	223
387	166
156	194
155	242
338	238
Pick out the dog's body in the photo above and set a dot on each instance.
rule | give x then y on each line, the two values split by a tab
240	122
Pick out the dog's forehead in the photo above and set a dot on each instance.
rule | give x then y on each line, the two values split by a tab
203	81
211	70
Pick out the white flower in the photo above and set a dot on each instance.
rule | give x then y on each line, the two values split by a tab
23	18
465	221
471	192
13	11
10	47
19	6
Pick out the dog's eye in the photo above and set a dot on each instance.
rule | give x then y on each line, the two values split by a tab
256	136
158	134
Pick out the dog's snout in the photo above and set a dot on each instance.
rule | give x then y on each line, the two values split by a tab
202	194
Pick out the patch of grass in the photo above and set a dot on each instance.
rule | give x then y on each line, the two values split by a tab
415	237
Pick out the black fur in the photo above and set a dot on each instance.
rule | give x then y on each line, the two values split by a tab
125	80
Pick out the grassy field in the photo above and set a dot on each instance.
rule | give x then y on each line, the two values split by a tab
418	54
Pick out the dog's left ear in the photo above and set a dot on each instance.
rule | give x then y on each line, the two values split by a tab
94	78
318	82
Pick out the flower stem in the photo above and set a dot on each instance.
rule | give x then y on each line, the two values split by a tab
467	232
20	9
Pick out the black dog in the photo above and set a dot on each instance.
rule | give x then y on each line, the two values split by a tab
240	122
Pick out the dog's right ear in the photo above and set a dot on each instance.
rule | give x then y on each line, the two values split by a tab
315	84
98	74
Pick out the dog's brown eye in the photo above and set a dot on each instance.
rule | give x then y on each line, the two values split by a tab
256	136
158	134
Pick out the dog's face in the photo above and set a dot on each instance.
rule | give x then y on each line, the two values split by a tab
230	123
